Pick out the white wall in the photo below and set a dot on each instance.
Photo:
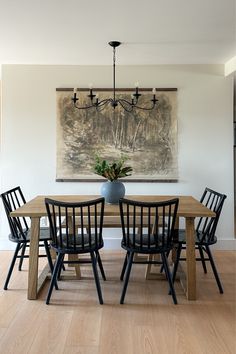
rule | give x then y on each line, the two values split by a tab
205	129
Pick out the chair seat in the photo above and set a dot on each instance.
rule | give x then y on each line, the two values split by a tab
44	236
199	240
87	247
156	244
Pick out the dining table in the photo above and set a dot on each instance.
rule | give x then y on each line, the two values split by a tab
189	209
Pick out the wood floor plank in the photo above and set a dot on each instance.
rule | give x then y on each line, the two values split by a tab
116	331
81	349
20	334
51	334
85	327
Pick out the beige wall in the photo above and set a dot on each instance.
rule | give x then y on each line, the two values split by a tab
205	129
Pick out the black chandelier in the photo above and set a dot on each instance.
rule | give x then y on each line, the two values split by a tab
128	106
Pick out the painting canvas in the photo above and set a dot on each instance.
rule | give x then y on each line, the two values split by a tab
147	138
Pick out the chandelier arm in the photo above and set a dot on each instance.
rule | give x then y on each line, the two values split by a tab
84	107
144	108
121	101
126	101
100	109
103	102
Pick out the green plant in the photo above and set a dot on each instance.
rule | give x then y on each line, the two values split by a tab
114	170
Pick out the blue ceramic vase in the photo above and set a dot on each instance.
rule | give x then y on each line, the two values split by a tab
112	191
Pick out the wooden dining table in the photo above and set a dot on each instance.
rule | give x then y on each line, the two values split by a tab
189	209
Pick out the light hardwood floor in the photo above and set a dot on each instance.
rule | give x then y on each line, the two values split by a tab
148	322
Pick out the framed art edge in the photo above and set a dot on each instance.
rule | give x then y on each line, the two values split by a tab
141	180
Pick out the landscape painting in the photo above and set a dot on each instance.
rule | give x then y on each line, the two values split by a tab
147	138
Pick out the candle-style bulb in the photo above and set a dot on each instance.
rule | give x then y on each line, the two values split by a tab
90	86
75	89
136	84
154	91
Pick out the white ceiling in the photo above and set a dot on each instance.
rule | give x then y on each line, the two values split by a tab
152	31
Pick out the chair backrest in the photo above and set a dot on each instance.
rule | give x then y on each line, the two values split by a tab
76	226
148	226
13	199
206	226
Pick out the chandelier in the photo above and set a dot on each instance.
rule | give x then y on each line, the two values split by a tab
114	101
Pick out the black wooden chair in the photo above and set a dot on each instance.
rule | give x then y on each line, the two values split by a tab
76	228
20	230
205	234
152	236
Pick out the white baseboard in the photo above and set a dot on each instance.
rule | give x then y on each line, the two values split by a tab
113	243
225	245
6	245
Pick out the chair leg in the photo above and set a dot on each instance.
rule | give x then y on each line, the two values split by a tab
100	265
202	259
128	270
162	266
22	256
124	266
95	272
49	259
178	253
167	270
54	276
61	268
214	270
48	256
12	265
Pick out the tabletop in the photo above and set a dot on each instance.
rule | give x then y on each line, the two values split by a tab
188	206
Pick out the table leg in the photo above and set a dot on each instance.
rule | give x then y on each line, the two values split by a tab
149	274
173	253
191	260
74	257
137	257
33	259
